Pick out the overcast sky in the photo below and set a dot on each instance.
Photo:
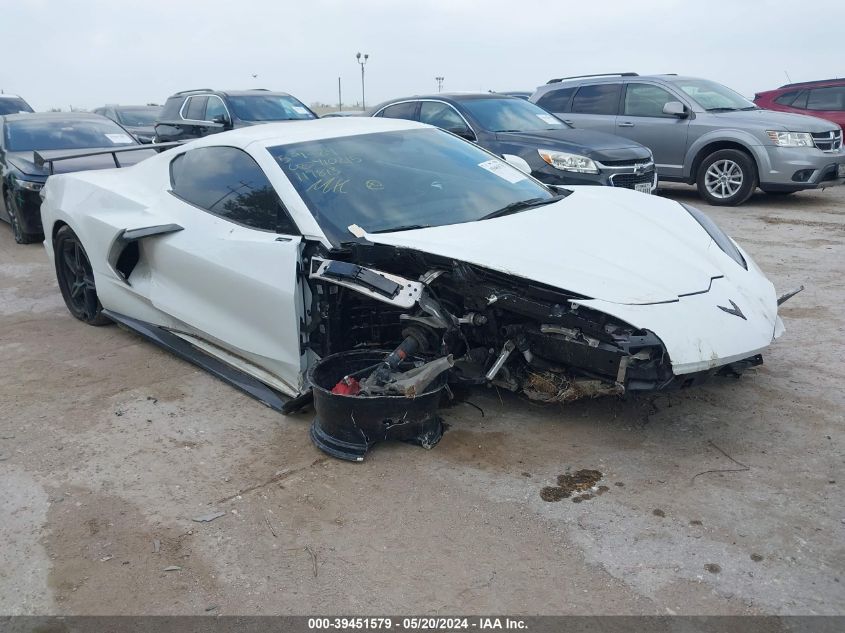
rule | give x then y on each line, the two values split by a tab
89	52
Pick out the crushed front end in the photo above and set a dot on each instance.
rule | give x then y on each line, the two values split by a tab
499	329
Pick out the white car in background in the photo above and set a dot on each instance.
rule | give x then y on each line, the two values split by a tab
256	252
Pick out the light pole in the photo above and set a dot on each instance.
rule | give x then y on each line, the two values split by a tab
439	81
362	59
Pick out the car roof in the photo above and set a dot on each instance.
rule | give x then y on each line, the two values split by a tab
458	96
46	116
288	132
230	93
610	78
6	95
837	81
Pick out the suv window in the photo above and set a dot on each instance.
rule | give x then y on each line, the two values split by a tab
400	111
556	100
13	105
646	100
801	100
214	108
442	115
597	99
787	97
226	181
832	98
195	108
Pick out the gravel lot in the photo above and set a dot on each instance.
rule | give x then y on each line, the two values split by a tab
109	447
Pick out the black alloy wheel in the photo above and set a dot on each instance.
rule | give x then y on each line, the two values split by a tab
76	278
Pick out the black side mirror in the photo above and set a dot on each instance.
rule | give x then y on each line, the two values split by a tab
222	119
675	108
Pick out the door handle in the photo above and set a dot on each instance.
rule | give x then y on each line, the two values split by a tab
626	124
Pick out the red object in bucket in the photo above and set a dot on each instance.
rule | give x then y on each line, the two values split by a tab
348	386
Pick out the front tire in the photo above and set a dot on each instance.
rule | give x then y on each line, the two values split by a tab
21	236
727	178
76	278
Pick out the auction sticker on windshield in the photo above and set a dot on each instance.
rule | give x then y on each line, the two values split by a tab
502	170
119	139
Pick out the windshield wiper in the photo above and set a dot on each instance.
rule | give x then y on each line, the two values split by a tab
722	109
403	227
522	205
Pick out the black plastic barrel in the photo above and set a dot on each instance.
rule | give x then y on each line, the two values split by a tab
347	426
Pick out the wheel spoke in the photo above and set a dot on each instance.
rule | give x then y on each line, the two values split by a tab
69	262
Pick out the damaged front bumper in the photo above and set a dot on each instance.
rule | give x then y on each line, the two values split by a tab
552	345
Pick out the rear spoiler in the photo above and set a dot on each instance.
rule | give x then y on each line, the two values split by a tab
48	157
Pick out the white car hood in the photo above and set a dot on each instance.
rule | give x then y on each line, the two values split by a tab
610	244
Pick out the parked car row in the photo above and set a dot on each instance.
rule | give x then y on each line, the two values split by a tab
619	129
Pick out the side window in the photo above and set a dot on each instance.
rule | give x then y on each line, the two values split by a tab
597	99
646	100
556	100
442	115
195	108
226	181
214	108
787	97
400	111
832	98
801	100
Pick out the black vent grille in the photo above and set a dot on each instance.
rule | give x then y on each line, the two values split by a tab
628	181
828	141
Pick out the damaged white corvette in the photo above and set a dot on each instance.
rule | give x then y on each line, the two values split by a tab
257	252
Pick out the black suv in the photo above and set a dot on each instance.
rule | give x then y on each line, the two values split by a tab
531	139
194	113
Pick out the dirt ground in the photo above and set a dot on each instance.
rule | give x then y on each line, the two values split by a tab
109	447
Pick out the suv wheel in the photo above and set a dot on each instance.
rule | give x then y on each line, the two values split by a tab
727	178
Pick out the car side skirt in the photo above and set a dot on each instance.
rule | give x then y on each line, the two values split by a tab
186	351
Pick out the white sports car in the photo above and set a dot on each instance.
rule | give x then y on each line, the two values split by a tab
255	253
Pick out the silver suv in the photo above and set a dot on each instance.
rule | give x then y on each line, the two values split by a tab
703	133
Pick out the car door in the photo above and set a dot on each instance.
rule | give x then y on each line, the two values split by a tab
595	106
642	120
194	124
231	274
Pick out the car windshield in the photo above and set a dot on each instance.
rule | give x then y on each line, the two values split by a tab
511	115
392	181
13	105
138	117
268	108
712	96
26	135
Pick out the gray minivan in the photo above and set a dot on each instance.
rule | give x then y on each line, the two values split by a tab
703	133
